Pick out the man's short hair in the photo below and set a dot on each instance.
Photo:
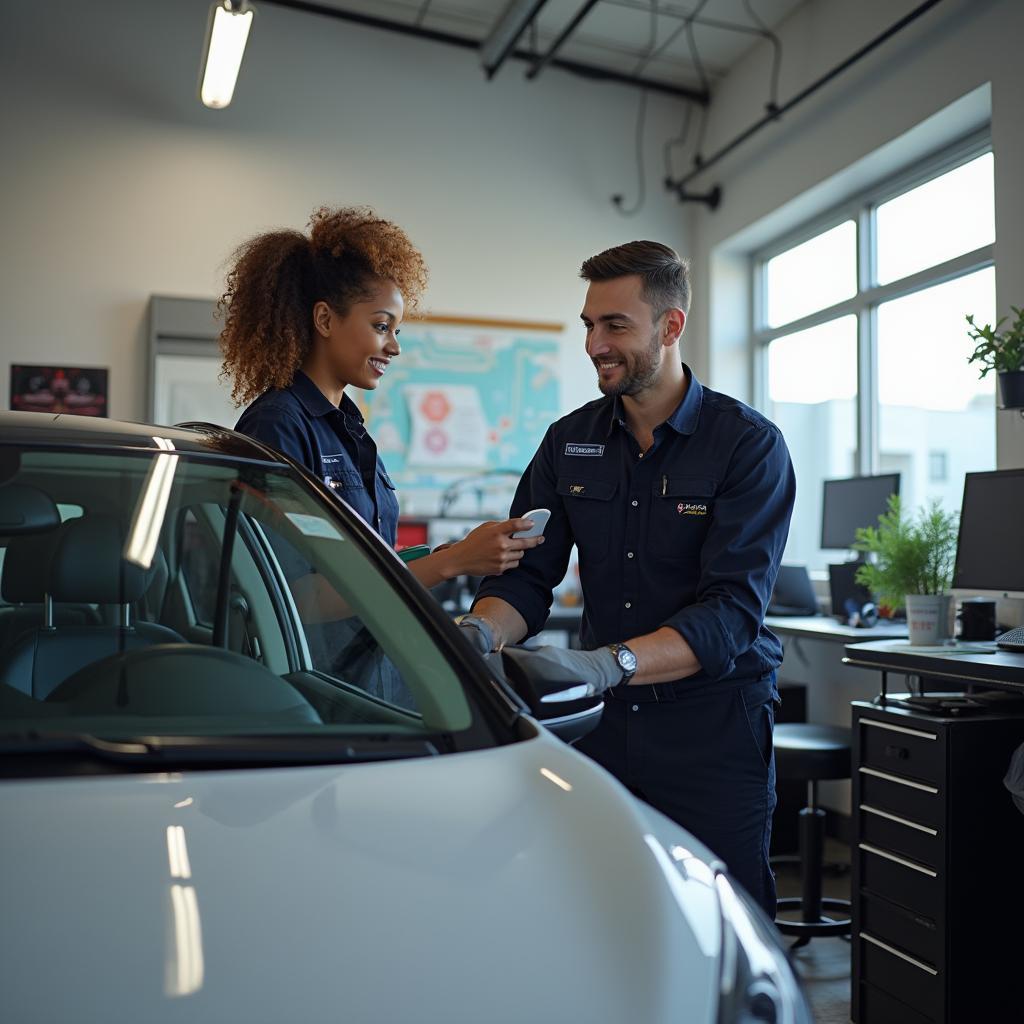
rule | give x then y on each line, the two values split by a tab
666	277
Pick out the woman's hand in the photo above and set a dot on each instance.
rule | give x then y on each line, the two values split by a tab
490	549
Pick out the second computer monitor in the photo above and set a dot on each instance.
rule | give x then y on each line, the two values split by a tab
852	503
990	551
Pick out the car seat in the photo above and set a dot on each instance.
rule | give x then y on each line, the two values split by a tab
23	586
86	567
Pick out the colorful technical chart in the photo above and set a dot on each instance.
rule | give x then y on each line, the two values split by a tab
464	397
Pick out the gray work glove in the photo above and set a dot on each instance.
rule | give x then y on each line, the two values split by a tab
478	632
555	669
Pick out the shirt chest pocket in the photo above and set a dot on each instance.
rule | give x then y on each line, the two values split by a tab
387	500
342	481
588	505
681	511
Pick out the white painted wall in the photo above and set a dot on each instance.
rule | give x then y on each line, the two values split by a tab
116	183
874	119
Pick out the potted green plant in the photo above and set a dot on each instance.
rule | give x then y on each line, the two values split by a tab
1002	351
912	566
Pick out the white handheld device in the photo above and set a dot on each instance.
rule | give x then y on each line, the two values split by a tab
540	517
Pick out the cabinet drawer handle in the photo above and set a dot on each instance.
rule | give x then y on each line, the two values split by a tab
868	848
899	728
895	952
895	778
899	820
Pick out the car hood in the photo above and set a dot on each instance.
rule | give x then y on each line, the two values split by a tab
520	883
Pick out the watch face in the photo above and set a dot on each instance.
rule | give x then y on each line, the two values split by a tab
627	659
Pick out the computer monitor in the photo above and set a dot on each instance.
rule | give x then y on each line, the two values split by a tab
990	548
852	503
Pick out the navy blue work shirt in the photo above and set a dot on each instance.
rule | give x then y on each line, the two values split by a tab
332	443
689	534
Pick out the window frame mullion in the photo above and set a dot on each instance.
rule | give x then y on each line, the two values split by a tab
867	458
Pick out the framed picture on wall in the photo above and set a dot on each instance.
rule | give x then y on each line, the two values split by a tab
80	390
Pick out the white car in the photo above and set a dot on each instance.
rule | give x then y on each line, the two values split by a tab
251	772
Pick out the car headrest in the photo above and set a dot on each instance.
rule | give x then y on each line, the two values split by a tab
26	509
87	565
27	567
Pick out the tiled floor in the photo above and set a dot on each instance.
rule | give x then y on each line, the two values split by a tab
824	964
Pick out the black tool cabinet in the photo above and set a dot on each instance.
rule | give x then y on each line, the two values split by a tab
938	868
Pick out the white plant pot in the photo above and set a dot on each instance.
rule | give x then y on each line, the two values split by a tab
928	618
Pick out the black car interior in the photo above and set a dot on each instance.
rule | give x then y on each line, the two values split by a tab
85	631
85	568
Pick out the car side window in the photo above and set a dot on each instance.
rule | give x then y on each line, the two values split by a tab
342	647
200	558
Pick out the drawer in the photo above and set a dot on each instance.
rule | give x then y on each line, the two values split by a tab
878	1007
900	834
910	980
901	880
914	933
902	750
918	801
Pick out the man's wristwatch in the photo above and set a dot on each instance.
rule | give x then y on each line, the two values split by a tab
626	659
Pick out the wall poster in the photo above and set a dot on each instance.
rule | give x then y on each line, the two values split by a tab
78	390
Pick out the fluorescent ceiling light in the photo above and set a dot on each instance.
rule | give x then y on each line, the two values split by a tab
226	35
506	32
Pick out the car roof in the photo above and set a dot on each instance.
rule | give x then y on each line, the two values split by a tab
39	428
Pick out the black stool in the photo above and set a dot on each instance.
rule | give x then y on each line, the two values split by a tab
810	753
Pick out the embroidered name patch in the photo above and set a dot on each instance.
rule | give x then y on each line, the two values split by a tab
577	489
592	450
691	508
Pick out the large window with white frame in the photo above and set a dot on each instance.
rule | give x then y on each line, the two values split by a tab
860	342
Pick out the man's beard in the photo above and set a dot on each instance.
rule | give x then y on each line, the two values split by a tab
639	372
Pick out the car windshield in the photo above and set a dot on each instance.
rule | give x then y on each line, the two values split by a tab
161	594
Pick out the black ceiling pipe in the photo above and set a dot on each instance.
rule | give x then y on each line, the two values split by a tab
774	113
698	96
548	56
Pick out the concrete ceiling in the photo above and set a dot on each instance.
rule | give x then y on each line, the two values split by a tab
616	35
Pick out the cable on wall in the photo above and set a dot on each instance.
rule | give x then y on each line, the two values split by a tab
641	120
641	188
773	94
421	14
677	140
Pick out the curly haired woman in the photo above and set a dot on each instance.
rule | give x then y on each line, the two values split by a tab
307	317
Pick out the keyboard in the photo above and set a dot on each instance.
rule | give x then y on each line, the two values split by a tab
1013	640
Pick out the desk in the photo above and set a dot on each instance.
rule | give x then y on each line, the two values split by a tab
564	620
824	627
999	670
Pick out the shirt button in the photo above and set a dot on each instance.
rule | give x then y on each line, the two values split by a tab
636	707
629	604
629	554
635	503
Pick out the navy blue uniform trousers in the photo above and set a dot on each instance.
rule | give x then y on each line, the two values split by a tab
705	761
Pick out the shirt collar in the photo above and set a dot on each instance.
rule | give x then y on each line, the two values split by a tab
683	420
316	403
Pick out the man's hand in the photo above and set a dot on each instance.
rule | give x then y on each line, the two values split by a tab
553	669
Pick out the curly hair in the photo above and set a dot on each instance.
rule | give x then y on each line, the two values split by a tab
277	277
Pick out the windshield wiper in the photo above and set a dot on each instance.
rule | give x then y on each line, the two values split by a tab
202	750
